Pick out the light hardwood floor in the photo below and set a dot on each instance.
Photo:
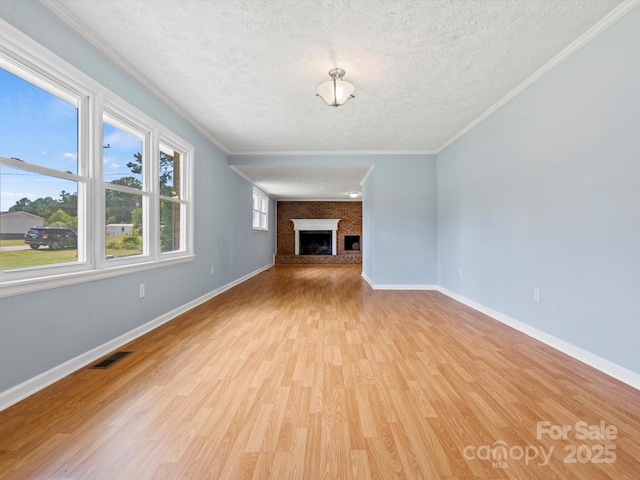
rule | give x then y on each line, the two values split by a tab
308	373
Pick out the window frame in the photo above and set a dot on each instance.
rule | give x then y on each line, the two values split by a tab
263	199
128	123
185	188
33	63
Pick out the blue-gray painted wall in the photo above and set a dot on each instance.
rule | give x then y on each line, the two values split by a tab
546	193
42	330
405	221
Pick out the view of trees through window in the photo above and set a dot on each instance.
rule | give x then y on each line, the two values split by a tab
124	219
38	170
122	168
170	196
60	203
56	212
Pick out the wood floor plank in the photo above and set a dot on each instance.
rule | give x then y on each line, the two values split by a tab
308	373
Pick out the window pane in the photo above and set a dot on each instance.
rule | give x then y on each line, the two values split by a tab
170	172
263	220
256	202
256	219
33	200
263	205
121	157
124	222
169	226
37	127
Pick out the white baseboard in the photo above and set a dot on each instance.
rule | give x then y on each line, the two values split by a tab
29	387
368	280
613	370
396	286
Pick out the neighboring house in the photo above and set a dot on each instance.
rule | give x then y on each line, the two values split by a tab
15	224
119	229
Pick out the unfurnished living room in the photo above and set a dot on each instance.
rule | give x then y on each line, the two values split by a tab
304	239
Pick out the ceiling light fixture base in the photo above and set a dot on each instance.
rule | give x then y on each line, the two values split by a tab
337	73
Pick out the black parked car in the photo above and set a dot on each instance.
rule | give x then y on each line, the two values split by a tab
53	237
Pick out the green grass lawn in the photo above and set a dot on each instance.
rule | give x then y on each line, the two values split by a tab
119	252
44	256
18	242
33	258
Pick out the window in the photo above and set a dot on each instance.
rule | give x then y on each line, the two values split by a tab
260	210
38	168
122	174
108	188
172	200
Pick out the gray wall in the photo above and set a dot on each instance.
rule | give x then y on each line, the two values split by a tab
404	211
42	330
17	223
546	193
368	228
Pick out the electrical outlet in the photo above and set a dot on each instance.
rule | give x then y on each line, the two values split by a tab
536	294
142	290
211	269
460	273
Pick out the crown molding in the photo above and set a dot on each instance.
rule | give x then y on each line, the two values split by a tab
241	173
612	17
72	22
59	11
280	153
294	199
366	175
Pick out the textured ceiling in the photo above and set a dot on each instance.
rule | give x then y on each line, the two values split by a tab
306	182
245	72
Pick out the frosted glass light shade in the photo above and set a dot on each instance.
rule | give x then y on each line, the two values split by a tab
336	92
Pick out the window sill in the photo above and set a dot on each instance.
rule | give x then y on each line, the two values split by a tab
30	285
256	229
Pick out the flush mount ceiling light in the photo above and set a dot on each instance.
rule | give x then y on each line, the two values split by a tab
354	195
336	91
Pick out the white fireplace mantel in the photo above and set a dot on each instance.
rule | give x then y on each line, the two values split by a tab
315	224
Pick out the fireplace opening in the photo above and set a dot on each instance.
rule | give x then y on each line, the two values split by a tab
352	242
315	242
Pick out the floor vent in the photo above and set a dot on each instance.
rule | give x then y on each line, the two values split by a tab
110	360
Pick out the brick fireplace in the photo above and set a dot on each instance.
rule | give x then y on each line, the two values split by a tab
333	230
322	232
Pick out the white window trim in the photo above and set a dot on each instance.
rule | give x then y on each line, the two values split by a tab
21	55
186	189
262	196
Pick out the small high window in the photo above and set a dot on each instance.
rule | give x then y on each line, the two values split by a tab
260	210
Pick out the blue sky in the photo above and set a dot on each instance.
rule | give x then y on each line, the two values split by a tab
41	129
